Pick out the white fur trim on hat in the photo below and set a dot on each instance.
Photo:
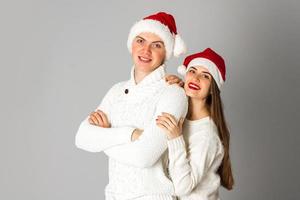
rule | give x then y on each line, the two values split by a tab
181	70
152	26
211	66
179	46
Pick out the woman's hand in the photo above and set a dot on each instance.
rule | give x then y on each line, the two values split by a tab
99	118
173	79
169	124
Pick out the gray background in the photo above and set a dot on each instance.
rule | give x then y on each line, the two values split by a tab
58	59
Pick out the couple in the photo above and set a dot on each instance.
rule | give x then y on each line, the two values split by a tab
165	139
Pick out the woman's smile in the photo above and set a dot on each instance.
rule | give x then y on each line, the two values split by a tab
193	86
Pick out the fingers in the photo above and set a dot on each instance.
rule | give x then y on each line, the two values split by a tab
171	132
181	84
99	118
171	118
169	124
91	121
169	77
165	121
96	119
136	134
180	123
104	118
162	127
172	79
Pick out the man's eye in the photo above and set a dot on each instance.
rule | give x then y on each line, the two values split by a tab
157	46
139	41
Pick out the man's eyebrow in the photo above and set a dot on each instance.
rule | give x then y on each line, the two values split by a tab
140	37
158	41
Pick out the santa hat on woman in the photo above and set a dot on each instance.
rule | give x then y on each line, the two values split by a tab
209	59
163	25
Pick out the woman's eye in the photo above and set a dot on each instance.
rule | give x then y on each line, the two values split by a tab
191	71
205	76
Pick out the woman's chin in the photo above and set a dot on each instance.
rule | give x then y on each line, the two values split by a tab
191	93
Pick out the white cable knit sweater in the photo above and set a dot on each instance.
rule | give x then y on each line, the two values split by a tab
137	170
194	159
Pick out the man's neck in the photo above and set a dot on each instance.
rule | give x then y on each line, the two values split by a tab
139	76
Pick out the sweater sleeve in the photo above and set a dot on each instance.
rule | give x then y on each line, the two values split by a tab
94	138
147	150
187	168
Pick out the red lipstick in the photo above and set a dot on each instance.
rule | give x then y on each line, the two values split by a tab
193	86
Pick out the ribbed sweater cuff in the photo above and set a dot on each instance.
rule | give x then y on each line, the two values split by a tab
176	144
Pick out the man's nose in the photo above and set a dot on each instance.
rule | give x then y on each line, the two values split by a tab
147	48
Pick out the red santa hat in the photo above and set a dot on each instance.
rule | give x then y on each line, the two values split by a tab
209	59
163	25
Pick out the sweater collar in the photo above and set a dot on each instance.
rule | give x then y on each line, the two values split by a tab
158	74
197	121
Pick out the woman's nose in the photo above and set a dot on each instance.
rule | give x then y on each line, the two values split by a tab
197	78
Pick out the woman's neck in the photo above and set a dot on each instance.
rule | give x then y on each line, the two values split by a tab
197	109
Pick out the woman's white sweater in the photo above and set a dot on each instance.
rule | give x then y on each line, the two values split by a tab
136	169
194	159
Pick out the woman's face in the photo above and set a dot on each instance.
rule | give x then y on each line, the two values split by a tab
148	52
197	82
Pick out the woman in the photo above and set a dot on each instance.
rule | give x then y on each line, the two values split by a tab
198	171
136	169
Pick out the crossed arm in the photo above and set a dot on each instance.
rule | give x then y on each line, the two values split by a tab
93	138
116	142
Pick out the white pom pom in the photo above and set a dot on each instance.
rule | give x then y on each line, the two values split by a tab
179	46
181	70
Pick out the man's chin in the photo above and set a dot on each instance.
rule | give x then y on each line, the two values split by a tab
144	67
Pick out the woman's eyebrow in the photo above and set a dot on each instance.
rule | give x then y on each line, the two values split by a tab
202	71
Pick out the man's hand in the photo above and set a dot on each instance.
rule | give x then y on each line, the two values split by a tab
99	118
136	134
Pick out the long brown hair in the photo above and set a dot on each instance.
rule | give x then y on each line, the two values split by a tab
215	107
